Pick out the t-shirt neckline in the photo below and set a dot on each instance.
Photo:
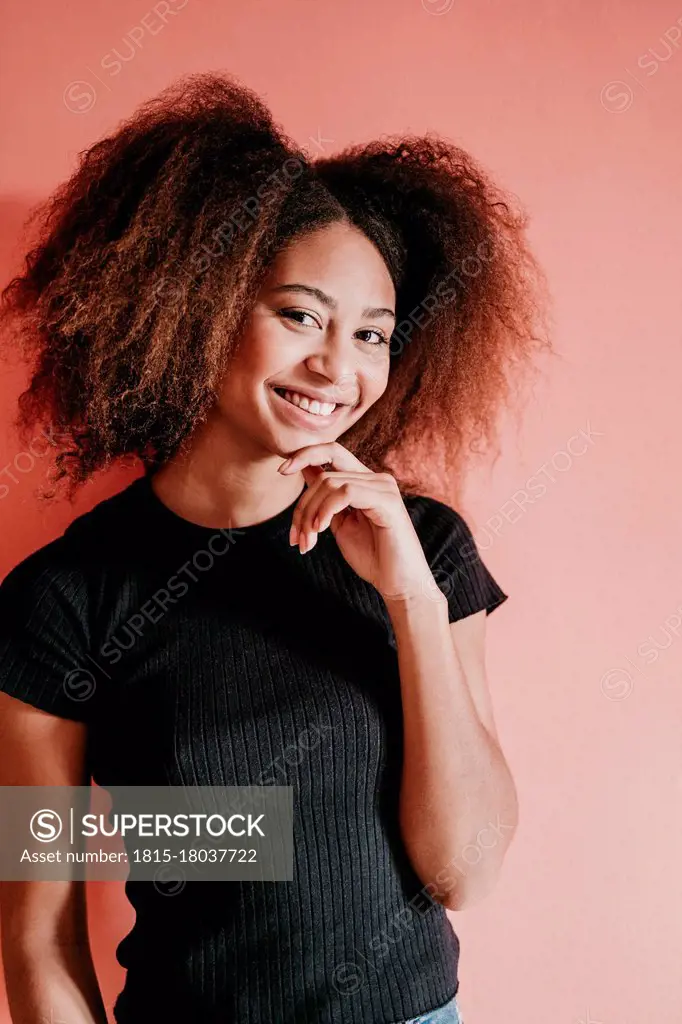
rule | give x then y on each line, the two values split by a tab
274	526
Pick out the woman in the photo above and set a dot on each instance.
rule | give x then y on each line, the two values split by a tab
265	333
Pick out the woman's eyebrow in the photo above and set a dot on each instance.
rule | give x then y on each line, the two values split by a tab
326	300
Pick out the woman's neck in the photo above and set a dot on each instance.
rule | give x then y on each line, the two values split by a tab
219	485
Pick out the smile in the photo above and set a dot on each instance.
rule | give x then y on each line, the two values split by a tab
312	406
291	408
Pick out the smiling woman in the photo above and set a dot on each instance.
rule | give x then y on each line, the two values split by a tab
311	356
357	313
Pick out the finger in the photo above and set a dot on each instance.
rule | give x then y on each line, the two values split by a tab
370	495
335	499
305	513
331	453
301	518
330	506
334	504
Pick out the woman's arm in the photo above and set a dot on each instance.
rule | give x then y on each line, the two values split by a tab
49	973
458	805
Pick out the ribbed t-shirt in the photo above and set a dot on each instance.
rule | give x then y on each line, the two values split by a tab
200	656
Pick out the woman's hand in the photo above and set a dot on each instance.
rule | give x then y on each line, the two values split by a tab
367	516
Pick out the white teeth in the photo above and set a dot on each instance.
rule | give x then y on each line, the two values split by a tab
314	407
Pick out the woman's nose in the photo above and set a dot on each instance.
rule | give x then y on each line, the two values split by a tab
338	367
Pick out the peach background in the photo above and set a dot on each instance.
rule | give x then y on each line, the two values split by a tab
576	108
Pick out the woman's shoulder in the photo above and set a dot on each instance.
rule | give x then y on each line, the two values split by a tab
436	522
85	546
49	603
454	557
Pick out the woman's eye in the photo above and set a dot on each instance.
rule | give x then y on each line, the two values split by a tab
294	314
382	339
298	316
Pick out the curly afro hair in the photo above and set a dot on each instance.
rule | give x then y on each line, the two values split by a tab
149	258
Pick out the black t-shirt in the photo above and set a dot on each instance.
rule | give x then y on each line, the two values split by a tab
203	657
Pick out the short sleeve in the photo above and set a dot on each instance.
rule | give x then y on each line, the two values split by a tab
454	559
43	638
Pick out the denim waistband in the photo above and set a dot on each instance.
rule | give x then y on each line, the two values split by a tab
448	1013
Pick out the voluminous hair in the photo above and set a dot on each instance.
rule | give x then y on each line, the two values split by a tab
147	262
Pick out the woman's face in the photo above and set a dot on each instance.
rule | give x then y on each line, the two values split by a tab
315	352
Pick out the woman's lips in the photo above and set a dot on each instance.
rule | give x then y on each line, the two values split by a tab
301	417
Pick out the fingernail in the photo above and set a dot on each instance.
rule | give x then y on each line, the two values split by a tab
293	534
285	465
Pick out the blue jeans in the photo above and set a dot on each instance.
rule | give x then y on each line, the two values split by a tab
446	1014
